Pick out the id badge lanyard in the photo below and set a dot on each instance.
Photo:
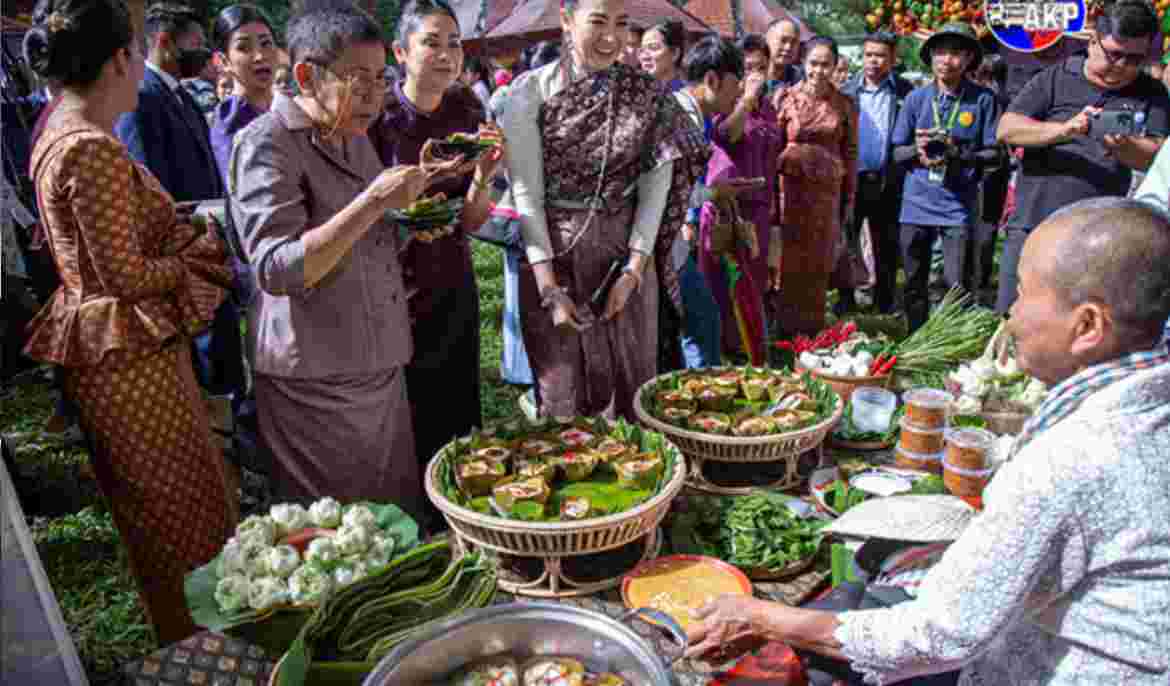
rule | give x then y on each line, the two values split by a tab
937	174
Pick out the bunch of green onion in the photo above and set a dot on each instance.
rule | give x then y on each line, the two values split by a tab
956	332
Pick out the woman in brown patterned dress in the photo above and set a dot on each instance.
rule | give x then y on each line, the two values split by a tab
135	284
601	163
818	171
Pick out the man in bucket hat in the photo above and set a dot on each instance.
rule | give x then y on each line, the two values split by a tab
945	134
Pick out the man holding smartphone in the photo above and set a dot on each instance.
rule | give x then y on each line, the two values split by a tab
1085	124
945	134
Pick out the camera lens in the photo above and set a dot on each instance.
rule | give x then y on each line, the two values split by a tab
936	149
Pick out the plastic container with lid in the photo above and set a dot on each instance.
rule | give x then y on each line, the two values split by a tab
965	483
923	462
969	448
919	440
873	408
927	407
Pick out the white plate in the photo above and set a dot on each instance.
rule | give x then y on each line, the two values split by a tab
881	484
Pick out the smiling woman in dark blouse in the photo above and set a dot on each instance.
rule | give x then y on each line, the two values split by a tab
429	103
246	52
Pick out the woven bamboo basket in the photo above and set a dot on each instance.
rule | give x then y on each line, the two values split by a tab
552	541
701	447
845	385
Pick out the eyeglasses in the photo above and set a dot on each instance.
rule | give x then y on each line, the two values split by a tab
1116	57
364	84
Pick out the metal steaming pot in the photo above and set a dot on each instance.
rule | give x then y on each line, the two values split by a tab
526	630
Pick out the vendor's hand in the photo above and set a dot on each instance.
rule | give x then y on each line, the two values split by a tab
774	275
688	233
1080	124
564	313
723	621
398	186
619	295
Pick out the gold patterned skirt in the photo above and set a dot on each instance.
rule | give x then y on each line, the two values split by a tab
167	485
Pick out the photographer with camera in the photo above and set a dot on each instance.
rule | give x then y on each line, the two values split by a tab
946	134
1084	124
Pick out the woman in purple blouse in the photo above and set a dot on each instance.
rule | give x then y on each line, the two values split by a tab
246	50
428	103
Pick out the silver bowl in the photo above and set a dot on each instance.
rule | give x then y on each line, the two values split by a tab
525	630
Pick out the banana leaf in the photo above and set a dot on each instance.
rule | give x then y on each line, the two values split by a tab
276	628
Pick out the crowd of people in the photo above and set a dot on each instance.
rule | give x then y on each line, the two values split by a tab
660	205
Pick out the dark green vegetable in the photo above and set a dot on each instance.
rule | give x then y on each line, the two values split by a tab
364	621
755	532
841	497
462	144
931	484
968	421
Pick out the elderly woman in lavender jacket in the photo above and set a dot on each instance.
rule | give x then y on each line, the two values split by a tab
328	331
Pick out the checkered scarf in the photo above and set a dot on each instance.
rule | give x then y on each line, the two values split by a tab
1070	393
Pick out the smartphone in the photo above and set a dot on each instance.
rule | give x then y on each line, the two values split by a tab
1112	123
600	297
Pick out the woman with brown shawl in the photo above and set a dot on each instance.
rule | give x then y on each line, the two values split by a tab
601	163
136	283
818	172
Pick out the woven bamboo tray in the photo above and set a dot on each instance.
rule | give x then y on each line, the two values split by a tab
553	541
845	385
702	447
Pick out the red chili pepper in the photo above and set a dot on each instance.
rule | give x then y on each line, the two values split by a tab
876	364
785	345
848	330
889	364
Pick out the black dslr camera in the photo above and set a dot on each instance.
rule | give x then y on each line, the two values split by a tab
938	145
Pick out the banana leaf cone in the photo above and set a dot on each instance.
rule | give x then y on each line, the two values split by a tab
642	471
577	437
553	670
778	391
510	492
718	398
710	422
535	469
576	508
695	384
798	401
750	425
605	679
675	399
494	455
576	465
476	478
611	451
500	669
754	388
540	447
677	416
461	144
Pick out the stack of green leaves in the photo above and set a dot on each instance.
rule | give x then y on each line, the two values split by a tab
754	532
363	622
